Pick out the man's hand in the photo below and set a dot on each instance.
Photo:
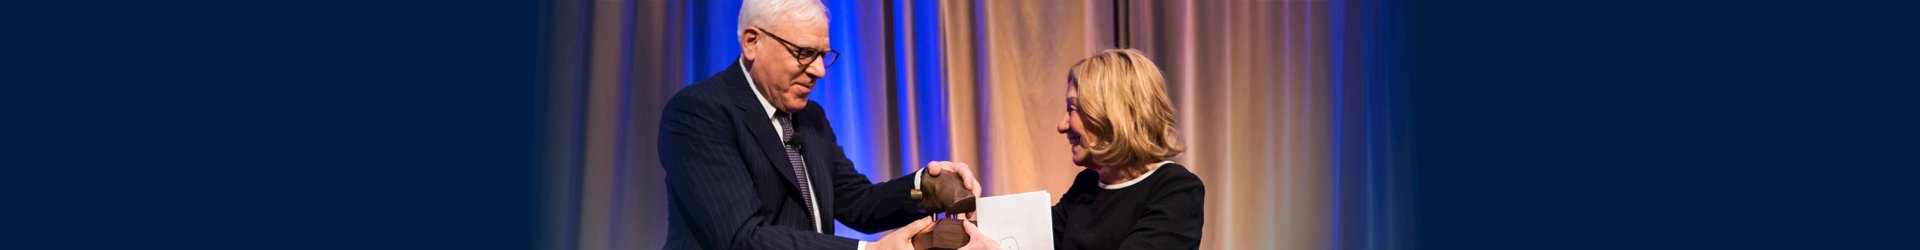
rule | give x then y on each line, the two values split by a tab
934	168
977	241
901	238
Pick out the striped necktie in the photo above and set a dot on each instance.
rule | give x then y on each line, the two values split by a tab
799	167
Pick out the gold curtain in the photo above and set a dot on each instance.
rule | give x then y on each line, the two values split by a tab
1248	79
611	67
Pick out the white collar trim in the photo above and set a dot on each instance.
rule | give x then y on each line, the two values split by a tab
756	91
1156	167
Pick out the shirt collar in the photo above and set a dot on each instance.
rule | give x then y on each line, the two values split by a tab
756	91
1156	167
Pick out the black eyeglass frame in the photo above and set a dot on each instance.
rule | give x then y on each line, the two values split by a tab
797	52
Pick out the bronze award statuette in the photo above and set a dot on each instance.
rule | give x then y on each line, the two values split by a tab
944	196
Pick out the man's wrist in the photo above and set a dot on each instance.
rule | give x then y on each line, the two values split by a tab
916	178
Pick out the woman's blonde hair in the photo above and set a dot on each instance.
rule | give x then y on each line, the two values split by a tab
1124	105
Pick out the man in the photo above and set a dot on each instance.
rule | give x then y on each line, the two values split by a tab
752	164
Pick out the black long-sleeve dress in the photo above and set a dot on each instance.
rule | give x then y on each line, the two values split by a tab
1160	210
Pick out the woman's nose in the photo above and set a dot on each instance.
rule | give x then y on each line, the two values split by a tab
1062	126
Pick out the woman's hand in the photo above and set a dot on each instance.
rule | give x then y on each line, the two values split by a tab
977	241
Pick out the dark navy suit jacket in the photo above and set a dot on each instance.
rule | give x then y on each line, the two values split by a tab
731	185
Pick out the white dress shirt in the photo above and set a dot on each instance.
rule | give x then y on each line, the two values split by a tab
782	131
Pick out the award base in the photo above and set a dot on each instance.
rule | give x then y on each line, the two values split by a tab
943	195
945	234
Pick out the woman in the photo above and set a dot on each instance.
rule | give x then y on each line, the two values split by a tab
1119	122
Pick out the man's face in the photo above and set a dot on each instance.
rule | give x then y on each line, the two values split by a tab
781	76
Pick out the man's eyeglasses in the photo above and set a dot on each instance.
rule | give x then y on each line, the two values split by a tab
806	55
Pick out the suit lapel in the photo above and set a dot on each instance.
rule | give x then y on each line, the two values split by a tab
760	125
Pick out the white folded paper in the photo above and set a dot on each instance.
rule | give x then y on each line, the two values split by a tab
1021	221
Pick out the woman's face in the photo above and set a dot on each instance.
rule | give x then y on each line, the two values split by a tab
1071	126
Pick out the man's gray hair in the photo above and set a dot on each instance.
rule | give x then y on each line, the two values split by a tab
766	13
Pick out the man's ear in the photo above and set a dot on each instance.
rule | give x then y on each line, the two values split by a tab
748	36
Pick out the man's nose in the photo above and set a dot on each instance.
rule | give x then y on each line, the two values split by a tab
818	69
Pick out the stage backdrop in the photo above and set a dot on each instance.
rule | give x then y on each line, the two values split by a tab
1293	111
